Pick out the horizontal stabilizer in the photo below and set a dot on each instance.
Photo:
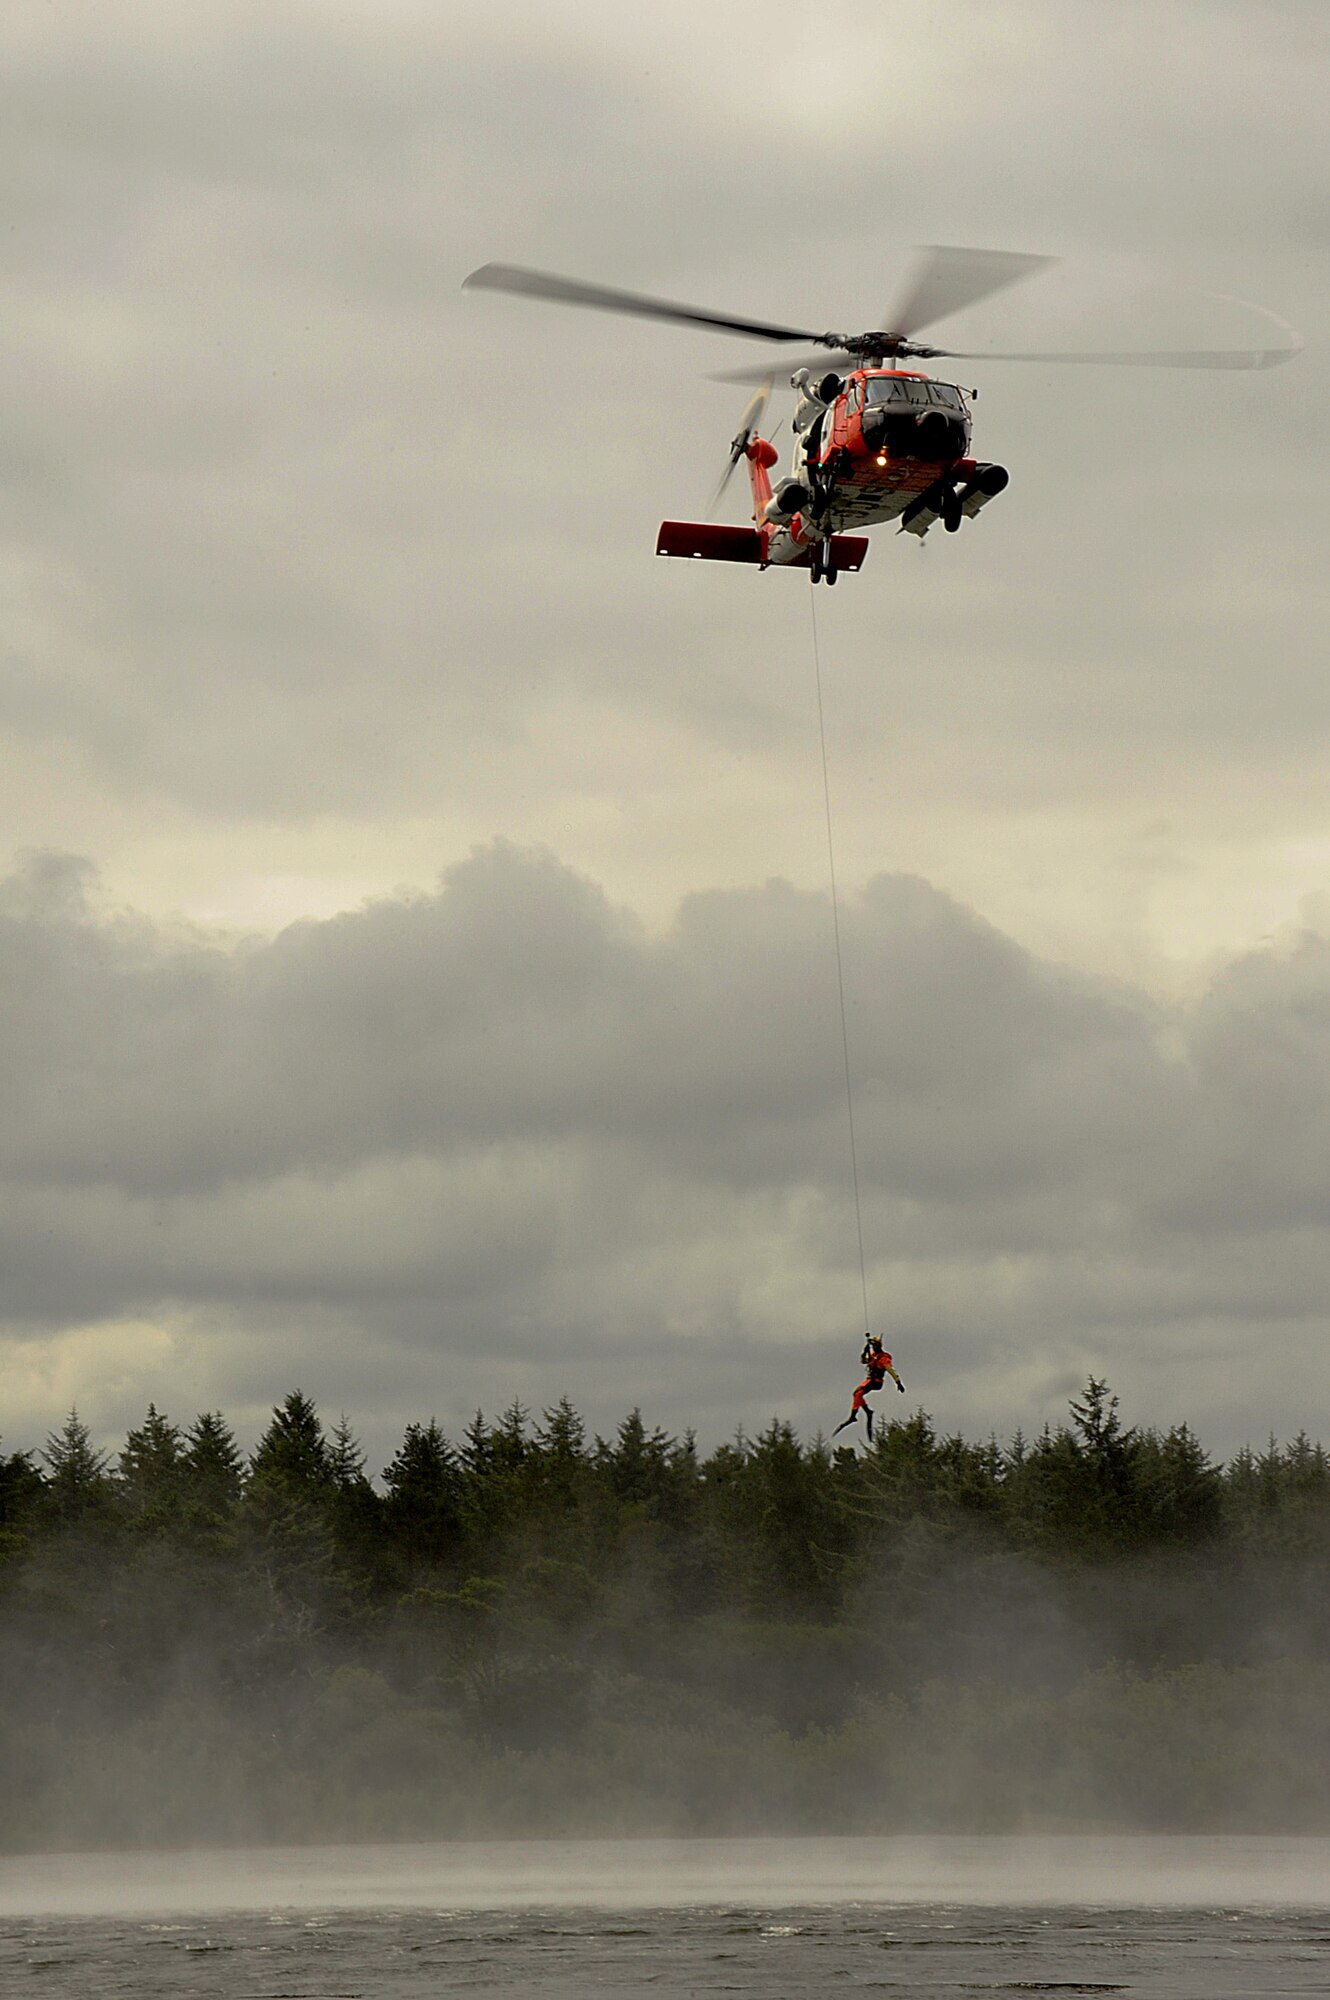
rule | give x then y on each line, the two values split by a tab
847	552
712	543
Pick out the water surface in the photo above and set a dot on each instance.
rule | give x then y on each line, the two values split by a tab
1188	1919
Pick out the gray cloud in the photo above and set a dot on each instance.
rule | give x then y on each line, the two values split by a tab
518	1004
506	1120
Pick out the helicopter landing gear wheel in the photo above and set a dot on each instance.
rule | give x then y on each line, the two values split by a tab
951	512
816	562
830	573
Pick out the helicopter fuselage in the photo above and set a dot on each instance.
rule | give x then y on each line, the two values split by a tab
880	444
886	437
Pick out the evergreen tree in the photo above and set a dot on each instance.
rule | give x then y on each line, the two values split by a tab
508	1440
561	1436
210	1463
77	1485
1241	1486
1270	1477
293	1450
797	1527
1305	1474
639	1466
1098	1426
423	1508
496	1494
906	1469
356	1507
289	1556
478	1457
1181	1492
346	1460
20	1489
970	1476
1102	1491
288	1527
1297	1496
151	1467
559	1467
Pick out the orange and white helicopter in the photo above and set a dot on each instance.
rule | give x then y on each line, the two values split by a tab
873	440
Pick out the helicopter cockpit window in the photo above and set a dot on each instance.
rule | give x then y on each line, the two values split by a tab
946	394
897	389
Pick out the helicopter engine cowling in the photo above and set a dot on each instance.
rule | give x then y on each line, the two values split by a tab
787	500
815	397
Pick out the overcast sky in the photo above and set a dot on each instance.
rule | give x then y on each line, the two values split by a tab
415	947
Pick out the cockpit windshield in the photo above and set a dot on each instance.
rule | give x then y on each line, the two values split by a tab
896	389
912	392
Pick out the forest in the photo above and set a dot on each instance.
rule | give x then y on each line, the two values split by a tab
529	1630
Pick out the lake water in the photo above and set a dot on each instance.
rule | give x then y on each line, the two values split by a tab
1194	1919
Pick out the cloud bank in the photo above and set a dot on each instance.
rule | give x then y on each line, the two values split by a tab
503	1138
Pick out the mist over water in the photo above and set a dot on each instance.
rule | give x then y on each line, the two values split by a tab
1162	1919
1121	1872
531	1636
1025	1704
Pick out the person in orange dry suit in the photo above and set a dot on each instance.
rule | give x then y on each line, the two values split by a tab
878	1363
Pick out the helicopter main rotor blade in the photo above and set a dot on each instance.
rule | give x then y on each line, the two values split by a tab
1187	357
836	362
946	278
603	298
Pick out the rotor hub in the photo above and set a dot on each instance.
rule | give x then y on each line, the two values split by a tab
876	348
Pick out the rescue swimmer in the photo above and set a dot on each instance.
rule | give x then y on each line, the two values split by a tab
878	1364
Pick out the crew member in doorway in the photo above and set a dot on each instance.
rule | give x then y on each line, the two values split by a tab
878	1364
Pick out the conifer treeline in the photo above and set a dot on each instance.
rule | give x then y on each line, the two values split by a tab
757	1509
616	1620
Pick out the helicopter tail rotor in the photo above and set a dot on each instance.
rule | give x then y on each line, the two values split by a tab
748	425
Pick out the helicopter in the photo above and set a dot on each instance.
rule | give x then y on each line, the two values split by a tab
875	439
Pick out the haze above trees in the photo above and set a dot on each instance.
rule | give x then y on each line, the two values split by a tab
530	1630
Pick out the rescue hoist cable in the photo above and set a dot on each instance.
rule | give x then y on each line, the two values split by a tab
840	967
